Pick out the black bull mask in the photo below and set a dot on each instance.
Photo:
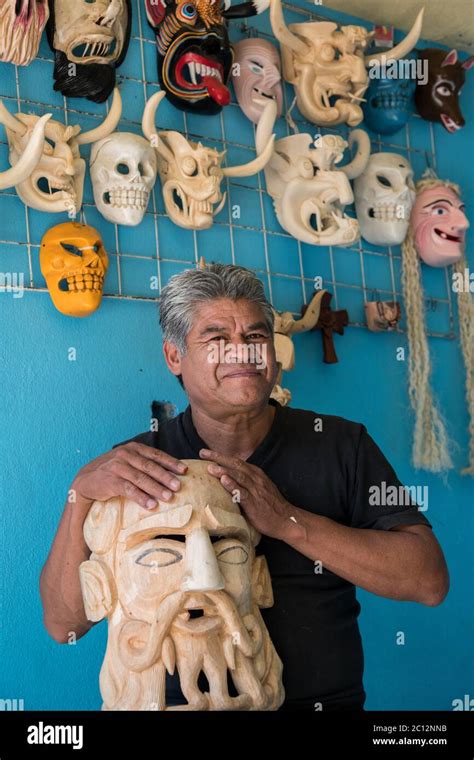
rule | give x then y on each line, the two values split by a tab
194	52
438	99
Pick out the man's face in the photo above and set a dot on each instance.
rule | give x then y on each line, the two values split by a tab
230	358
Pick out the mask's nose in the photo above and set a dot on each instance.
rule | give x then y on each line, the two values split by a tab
202	568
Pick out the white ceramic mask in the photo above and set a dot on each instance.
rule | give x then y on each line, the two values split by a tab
309	192
191	174
21	26
384	196
256	75
328	67
123	170
56	182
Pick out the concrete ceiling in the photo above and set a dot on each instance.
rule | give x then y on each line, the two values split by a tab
448	22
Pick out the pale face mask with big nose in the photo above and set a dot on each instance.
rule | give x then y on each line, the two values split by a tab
439	226
256	75
181	587
384	196
123	171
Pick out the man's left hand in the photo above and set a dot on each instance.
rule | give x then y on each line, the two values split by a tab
262	502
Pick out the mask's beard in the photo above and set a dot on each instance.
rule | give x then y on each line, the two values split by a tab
20	35
215	643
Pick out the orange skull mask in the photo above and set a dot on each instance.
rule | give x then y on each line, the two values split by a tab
74	263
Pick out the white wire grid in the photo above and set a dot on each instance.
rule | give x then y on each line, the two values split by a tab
143	258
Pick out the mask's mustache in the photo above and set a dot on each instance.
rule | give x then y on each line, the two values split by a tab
140	644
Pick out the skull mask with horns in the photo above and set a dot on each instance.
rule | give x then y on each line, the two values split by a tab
191	174
327	65
55	182
194	52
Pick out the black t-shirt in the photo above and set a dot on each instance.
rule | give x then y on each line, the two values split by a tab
328	471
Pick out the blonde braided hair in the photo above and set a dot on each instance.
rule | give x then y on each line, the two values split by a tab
430	441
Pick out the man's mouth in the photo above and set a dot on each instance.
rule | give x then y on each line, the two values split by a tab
447	236
196	72
449	123
244	373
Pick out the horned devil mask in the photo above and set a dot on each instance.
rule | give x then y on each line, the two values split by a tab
438	99
194	52
309	192
191	174
21	26
327	65
181	587
90	40
55	181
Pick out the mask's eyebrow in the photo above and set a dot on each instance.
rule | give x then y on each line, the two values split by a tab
220	519
176	517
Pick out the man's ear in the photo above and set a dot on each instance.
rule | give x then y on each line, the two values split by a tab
172	356
261	583
98	589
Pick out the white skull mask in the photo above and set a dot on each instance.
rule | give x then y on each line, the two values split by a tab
90	32
123	171
384	196
21	26
191	174
309	193
56	182
327	65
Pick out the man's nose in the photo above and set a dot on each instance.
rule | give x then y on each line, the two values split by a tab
459	220
202	569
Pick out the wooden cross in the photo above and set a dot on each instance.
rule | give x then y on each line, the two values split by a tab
329	322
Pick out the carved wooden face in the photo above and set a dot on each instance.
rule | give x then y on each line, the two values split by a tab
183	587
439	226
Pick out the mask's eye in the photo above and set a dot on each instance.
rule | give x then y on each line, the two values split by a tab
384	181
70	248
190	166
187	12
443	91
122	169
439	211
233	555
255	67
327	53
161	557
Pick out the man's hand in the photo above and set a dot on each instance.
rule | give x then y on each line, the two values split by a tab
134	470
260	499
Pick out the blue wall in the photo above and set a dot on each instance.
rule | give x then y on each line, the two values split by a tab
58	414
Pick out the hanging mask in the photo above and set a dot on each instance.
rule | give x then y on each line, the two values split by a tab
390	103
123	170
194	52
181	606
439	226
328	67
56	182
191	174
256	75
90	40
309	192
384	196
438	99
74	263
382	316
21	26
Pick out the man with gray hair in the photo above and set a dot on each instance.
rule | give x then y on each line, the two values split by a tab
303	486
